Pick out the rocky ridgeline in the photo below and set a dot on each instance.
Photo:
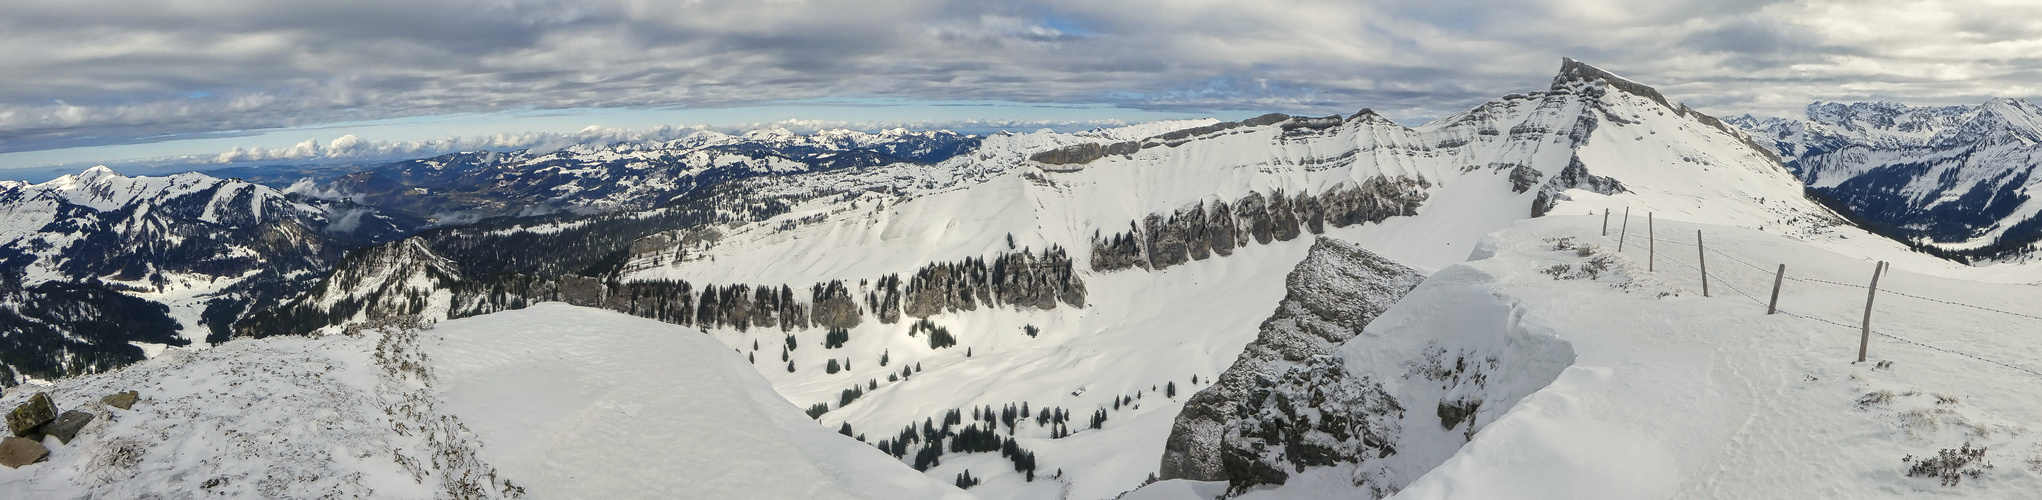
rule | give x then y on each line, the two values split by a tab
1077	155
1254	422
36	419
1205	229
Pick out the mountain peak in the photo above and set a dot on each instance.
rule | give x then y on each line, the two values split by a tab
1576	74
96	172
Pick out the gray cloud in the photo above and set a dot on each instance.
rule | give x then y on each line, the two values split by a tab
89	72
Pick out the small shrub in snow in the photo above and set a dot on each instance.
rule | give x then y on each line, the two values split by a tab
1871	399
1558	270
1950	466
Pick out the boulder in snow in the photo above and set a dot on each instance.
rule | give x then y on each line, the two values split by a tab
67	425
122	400
32	414
16	452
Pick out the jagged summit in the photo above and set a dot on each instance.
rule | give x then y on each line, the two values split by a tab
1575	74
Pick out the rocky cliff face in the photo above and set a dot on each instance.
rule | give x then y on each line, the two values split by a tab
1204	230
1329	298
1377	405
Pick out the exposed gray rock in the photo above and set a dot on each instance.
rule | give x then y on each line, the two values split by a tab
1330	297
16	452
1195	233
834	307
67	425
1084	153
582	291
122	400
1027	278
1220	229
38	410
1575	176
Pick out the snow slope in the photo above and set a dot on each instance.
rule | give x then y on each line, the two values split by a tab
580	402
554	401
1674	395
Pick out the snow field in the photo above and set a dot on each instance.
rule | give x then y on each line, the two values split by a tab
582	402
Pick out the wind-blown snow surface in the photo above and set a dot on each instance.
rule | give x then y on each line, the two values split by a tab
1676	395
575	402
554	401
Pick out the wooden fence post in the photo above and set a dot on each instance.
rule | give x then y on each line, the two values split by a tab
1651	245
1702	256
1624	231
1774	306
1605	222
1865	334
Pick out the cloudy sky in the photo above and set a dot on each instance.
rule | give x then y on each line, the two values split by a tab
103	81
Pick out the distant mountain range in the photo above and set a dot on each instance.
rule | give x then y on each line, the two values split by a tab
1957	181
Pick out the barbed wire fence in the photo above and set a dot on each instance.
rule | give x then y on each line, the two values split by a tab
1718	277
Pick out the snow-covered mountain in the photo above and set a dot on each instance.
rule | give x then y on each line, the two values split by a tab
97	262
1954	179
1094	280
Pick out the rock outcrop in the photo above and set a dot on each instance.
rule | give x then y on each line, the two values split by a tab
1330	297
1205	229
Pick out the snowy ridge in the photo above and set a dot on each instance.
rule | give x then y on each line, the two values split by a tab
520	404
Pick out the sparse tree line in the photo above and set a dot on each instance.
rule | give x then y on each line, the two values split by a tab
930	441
1205	229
